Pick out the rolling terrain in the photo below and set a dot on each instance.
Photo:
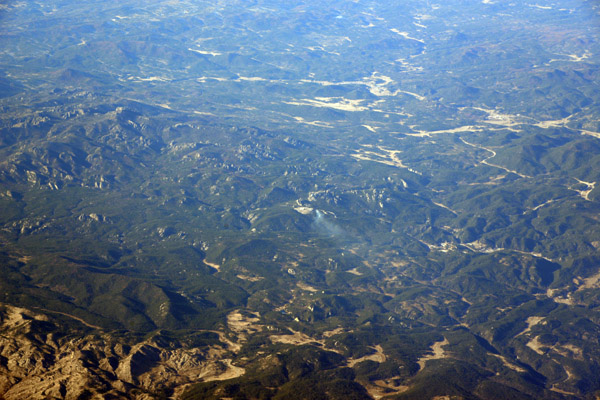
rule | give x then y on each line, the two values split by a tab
261	200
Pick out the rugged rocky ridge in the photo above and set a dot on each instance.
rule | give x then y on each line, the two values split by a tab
40	360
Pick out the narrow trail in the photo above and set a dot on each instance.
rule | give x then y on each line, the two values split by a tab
70	316
485	161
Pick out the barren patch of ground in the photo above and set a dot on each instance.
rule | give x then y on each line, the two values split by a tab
438	353
378	357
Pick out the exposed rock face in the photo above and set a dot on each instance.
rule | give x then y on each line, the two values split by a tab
39	361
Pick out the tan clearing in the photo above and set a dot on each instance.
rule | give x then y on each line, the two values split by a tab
232	346
539	206
535	345
531	322
250	278
508	364
333	332
557	123
416	96
17	316
378	357
557	299
593	282
585	193
446	207
304	210
306	287
297	338
24	259
590	133
378	158
438	353
405	35
496	118
215	266
204	52
569	351
382	388
384	156
320	124
230	373
242	324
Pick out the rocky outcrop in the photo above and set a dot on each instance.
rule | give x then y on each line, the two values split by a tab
39	360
